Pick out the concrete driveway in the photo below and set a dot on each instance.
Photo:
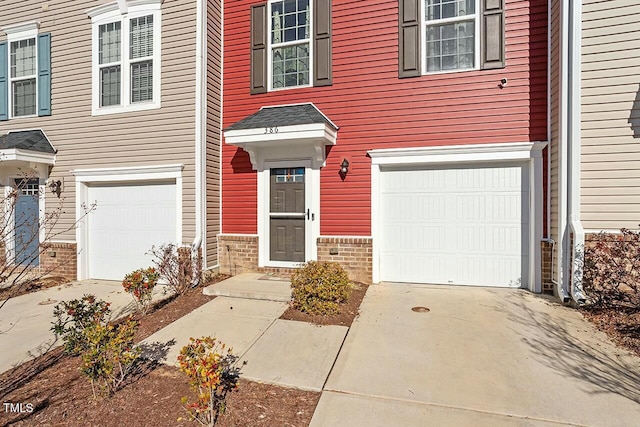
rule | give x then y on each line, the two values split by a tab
478	357
25	321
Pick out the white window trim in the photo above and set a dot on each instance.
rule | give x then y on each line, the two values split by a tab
111	13
84	177
270	47
505	153
15	33
423	38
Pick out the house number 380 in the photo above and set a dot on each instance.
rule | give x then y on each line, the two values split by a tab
271	130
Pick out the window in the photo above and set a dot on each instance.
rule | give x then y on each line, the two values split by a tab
126	57
290	44
450	35
25	76
438	36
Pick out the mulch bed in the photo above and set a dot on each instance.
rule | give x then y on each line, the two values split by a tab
621	326
347	315
62	397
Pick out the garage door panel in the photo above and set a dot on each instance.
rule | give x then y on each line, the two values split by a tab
127	222
454	225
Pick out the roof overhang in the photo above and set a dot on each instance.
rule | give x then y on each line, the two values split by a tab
21	155
308	140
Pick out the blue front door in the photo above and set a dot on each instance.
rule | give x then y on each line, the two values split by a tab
26	222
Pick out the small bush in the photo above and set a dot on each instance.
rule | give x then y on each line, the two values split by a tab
212	375
110	355
320	287
179	267
140	284
611	274
74	317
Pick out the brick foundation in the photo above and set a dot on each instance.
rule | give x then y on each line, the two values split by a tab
238	254
60	259
547	262
355	255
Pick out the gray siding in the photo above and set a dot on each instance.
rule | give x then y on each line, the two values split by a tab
610	114
214	117
153	137
555	119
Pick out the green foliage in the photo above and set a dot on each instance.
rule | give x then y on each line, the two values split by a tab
110	355
140	284
73	317
212	374
612	271
320	287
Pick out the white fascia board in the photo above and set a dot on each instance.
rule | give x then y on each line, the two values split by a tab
128	173
20	155
458	153
310	131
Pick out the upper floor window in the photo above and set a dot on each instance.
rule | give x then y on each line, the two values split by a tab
439	36
126	57
25	75
290	44
450	33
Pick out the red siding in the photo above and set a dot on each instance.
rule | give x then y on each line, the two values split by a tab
374	109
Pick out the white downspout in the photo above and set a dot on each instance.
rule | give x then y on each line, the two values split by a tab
563	235
200	138
575	77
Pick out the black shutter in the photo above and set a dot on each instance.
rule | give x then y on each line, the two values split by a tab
409	38
492	30
322	74
259	48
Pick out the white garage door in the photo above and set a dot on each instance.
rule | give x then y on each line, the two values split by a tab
128	220
463	226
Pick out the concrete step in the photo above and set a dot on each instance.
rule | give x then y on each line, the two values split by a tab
258	286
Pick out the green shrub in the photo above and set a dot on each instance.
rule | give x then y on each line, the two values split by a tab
140	284
212	374
320	287
73	317
110	355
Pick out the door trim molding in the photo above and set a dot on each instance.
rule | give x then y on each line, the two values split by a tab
312	201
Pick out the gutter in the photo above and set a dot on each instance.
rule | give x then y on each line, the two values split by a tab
563	135
200	140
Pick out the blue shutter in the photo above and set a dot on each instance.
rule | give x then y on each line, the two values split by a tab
44	74
4	82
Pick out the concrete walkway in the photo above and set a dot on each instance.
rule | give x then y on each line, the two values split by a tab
282	352
478	357
25	321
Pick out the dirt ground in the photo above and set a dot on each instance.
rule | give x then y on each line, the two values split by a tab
60	396
621	326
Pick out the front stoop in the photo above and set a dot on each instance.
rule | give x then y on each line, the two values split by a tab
252	286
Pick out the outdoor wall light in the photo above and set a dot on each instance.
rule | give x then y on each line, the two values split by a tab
344	166
56	187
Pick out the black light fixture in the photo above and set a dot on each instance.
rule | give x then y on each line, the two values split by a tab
55	187
344	166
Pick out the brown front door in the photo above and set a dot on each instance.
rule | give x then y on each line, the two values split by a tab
287	214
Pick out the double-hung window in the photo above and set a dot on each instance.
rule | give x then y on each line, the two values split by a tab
290	44
126	58
25	72
451	35
439	36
